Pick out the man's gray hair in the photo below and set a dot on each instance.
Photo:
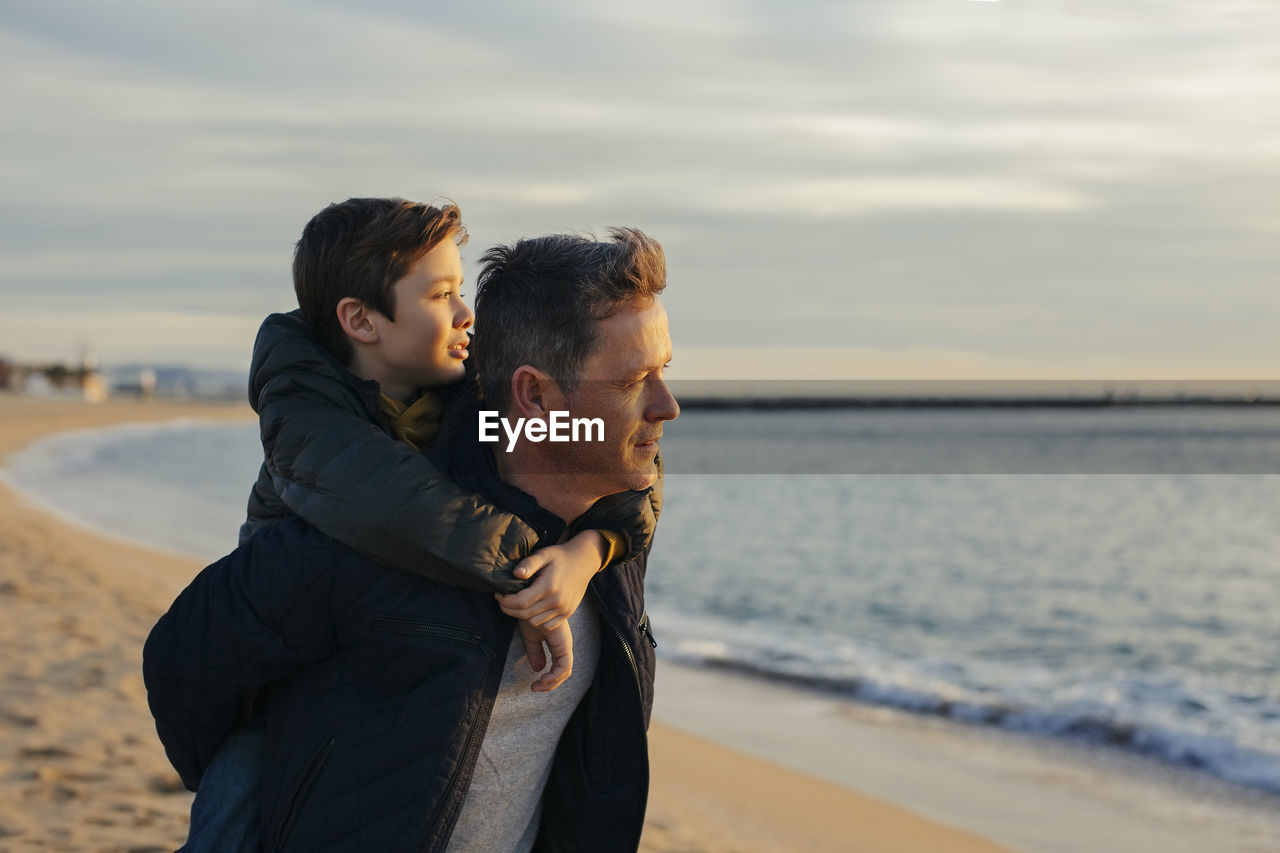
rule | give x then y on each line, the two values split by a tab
538	302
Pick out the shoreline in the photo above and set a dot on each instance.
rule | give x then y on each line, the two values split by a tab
1027	793
737	764
19	482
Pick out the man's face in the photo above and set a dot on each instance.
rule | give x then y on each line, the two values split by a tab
426	344
622	384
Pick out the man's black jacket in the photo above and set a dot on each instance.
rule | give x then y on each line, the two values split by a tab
381	687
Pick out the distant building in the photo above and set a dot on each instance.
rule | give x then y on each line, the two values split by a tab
89	380
92	383
147	381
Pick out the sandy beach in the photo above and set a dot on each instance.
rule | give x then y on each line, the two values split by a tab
80	765
81	769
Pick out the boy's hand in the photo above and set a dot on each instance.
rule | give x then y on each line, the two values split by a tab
563	574
560	642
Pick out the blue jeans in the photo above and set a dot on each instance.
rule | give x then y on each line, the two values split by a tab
226	810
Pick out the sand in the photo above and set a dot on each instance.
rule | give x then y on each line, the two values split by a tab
81	768
80	765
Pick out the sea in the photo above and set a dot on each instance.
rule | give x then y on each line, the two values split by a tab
1108	575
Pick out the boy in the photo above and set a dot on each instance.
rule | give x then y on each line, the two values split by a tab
378	284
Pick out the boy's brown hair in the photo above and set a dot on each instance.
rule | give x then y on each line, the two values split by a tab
359	248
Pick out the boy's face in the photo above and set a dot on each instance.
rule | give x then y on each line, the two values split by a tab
426	344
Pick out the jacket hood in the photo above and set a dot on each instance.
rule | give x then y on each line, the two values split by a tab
286	345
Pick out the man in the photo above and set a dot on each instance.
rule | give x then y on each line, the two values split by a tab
391	714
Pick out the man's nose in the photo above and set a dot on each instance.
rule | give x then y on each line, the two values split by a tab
664	406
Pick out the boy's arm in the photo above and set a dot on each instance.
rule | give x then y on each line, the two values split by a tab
562	572
328	463
245	621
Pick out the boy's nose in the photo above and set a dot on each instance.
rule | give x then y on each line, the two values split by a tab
464	317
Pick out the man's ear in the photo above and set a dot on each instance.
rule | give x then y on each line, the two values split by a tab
355	320
534	393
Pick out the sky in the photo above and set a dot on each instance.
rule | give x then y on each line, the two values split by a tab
921	189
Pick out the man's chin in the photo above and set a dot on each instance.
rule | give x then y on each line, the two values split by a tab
644	481
643	476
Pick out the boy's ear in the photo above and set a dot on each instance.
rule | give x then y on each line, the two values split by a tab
534	393
354	317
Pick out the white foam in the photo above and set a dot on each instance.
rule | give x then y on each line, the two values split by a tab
1028	794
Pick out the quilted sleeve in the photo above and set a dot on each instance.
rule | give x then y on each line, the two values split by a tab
245	621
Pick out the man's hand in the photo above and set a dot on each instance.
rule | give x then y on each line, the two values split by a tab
563	574
560	641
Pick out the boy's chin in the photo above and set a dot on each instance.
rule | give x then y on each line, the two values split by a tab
444	376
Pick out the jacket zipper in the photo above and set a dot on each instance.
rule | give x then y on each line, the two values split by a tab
412	627
631	657
617	632
309	777
646	630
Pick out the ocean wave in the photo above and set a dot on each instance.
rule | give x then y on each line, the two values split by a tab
1161	718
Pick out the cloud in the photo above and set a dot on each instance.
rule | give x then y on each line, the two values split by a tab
863	195
123	337
776	362
994	178
772	363
111	263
